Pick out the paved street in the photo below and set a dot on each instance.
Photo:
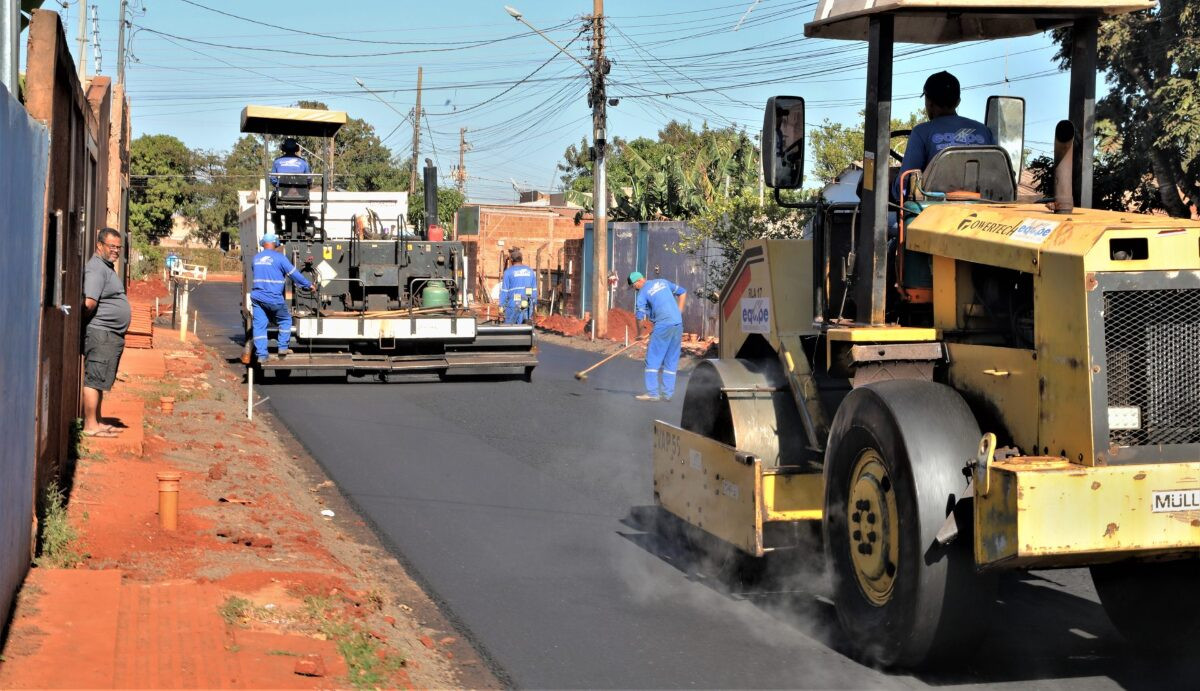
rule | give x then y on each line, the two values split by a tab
525	510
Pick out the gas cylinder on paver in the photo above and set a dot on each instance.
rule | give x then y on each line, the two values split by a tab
435	294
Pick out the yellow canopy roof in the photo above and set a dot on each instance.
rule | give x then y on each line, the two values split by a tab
951	21
292	122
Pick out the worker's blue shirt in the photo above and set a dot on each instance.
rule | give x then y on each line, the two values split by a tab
928	138
271	271
288	165
656	302
516	279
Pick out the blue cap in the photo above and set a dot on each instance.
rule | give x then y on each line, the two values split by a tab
269	237
635	276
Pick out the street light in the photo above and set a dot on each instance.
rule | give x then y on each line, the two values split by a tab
516	14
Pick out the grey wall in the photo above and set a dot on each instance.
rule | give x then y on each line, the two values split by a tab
687	270
24	156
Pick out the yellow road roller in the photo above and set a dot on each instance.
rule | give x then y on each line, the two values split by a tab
977	386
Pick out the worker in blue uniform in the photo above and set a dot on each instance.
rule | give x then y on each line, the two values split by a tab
660	301
945	127
518	290
271	272
289	163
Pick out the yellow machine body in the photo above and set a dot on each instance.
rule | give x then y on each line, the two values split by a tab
1065	495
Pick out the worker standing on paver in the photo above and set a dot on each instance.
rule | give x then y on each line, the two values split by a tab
271	271
106	315
660	301
290	163
518	290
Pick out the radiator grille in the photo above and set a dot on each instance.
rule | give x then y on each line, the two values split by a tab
1152	345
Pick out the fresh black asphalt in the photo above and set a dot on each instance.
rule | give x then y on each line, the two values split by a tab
525	509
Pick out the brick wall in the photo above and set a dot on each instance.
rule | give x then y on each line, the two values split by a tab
540	232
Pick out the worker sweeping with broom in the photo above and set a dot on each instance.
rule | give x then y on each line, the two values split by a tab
661	302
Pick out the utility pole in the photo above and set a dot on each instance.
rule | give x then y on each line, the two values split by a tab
121	43
412	179
10	47
82	57
462	165
598	100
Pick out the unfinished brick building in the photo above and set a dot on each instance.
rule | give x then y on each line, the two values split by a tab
488	231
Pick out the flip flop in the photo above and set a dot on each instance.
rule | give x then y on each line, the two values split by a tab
104	433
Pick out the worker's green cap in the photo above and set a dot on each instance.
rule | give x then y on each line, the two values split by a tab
635	276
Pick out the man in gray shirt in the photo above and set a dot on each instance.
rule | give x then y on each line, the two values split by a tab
106	317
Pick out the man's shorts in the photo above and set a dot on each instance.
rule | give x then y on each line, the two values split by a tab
102	353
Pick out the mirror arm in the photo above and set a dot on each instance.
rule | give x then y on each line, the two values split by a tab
793	205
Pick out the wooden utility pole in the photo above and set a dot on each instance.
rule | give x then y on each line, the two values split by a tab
412	179
121	42
462	165
598	100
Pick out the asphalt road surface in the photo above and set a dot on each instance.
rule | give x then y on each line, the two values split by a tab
525	509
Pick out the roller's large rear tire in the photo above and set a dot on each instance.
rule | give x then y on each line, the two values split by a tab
893	472
1155	605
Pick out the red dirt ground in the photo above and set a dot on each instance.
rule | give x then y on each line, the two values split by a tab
146	290
143	608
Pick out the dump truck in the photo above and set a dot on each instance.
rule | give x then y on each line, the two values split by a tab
996	386
388	299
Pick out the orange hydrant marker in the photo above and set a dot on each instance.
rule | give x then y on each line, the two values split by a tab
168	500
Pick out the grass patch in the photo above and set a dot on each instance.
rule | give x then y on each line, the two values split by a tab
287	653
235	609
58	535
357	648
78	446
151	393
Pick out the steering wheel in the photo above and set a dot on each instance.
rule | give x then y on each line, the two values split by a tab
892	135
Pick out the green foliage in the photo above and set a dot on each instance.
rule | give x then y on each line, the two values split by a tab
1152	157
729	223
677	176
360	160
167	187
449	201
836	146
57	534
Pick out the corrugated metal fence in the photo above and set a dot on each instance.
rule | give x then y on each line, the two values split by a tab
24	155
649	247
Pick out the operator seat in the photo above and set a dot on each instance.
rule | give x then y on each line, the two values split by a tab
960	173
291	204
986	170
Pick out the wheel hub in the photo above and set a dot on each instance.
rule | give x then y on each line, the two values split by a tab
872	524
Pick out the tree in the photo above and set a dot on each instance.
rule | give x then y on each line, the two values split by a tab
1152	62
728	223
678	175
360	160
837	147
449	200
162	169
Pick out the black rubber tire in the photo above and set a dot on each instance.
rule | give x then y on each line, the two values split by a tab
923	433
1154	605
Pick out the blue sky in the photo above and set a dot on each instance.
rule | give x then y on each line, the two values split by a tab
192	70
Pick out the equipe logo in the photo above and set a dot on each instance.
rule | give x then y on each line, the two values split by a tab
756	315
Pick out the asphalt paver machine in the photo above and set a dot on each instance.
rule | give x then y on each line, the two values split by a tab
991	386
388	301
